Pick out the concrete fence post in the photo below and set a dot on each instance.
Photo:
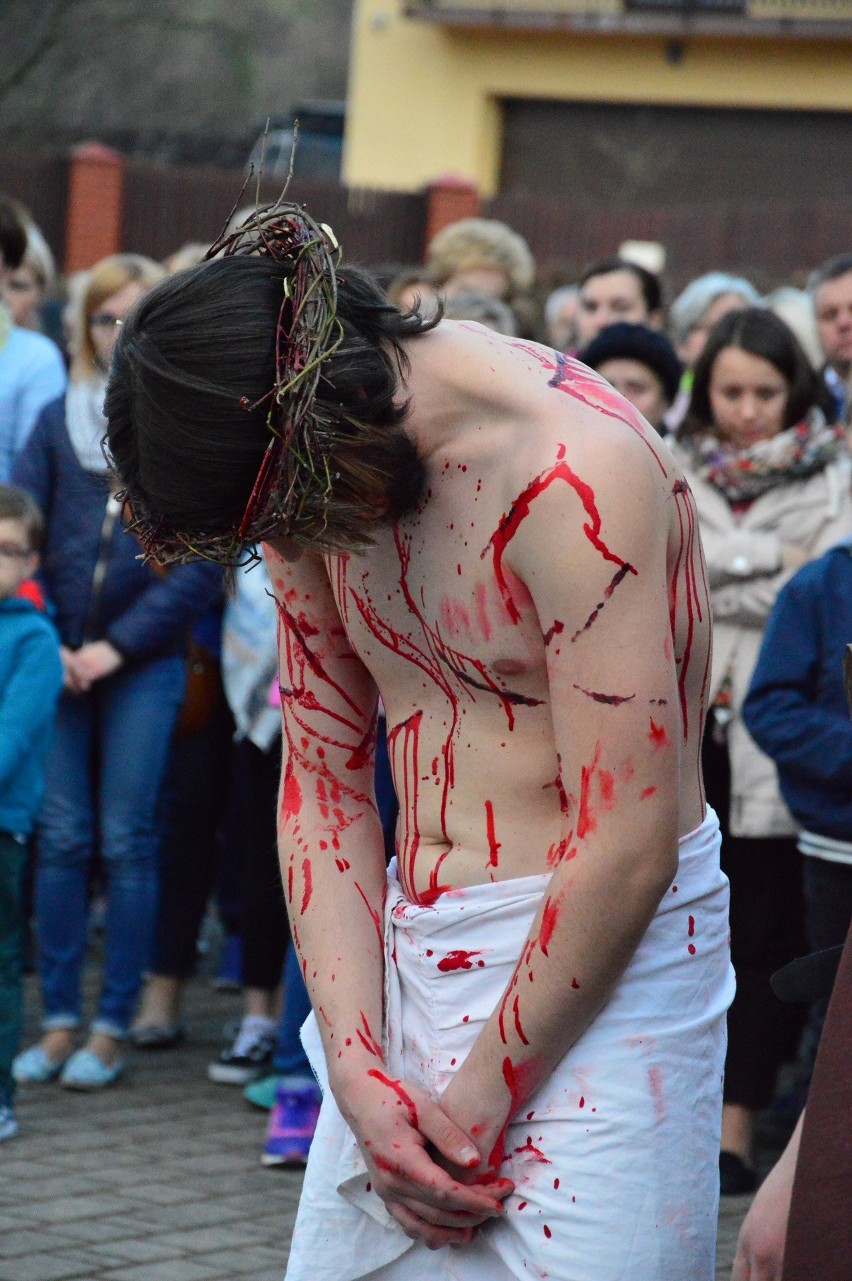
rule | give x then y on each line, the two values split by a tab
93	226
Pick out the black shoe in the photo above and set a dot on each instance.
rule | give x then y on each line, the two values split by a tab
735	1177
249	1057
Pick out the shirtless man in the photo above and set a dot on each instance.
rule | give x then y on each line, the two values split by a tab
521	1029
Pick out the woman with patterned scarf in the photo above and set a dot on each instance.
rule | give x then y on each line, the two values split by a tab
771	479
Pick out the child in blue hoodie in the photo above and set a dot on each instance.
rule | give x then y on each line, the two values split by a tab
30	681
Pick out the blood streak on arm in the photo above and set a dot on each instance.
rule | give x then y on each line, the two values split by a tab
306	744
586	821
613	700
549	920
308	885
291	794
562	849
521	1079
517	1017
399	1091
493	843
520	509
374	915
299	631
367	1038
522	965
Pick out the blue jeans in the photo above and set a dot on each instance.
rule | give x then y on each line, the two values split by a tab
13	860
104	779
289	1058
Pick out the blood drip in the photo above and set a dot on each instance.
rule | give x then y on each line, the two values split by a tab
398	1089
458	960
493	843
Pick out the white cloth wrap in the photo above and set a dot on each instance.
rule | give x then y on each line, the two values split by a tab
629	1121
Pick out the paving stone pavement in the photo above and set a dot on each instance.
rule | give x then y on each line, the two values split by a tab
159	1178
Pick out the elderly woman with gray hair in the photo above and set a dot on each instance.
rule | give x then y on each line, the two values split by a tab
703	302
693	314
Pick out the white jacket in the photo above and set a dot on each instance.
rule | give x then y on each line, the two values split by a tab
250	657
743	555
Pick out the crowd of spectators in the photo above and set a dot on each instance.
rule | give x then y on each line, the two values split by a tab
139	724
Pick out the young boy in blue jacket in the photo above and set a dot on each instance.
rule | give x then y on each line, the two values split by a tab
30	681
796	712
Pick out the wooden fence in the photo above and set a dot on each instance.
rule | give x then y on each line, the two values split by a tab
163	207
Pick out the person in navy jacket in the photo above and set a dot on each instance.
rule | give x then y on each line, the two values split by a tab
123	628
796	711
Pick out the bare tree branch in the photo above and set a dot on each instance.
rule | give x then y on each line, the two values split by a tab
139	71
45	41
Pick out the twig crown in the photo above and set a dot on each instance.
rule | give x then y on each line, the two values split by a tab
293	488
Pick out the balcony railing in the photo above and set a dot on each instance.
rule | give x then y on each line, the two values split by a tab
810	18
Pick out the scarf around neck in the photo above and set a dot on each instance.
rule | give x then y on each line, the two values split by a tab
744	474
84	418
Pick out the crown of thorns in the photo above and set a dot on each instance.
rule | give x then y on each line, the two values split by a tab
293	488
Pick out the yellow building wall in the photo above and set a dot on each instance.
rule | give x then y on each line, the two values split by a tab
424	99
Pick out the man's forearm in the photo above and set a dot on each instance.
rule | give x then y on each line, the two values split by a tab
588	927
335	908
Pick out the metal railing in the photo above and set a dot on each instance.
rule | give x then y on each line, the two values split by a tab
789	17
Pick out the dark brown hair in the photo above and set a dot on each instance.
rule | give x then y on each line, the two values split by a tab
199	349
13	234
760	333
649	284
17	504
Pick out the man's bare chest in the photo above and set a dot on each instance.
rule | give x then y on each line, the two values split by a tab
432	607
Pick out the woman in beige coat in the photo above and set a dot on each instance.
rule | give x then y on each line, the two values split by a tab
772	484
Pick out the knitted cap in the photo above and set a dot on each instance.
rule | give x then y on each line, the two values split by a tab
636	342
481	242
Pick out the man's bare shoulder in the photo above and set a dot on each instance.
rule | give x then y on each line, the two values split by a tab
586	429
297	572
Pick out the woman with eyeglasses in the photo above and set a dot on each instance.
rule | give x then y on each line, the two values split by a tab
123	627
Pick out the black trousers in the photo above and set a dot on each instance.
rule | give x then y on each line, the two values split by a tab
251	842
767	931
195	804
828	913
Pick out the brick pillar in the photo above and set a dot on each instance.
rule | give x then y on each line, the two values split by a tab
449	199
93	224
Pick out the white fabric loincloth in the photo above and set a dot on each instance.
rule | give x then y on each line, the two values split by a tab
629	1122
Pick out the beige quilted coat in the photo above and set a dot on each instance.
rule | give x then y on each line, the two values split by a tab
743	558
